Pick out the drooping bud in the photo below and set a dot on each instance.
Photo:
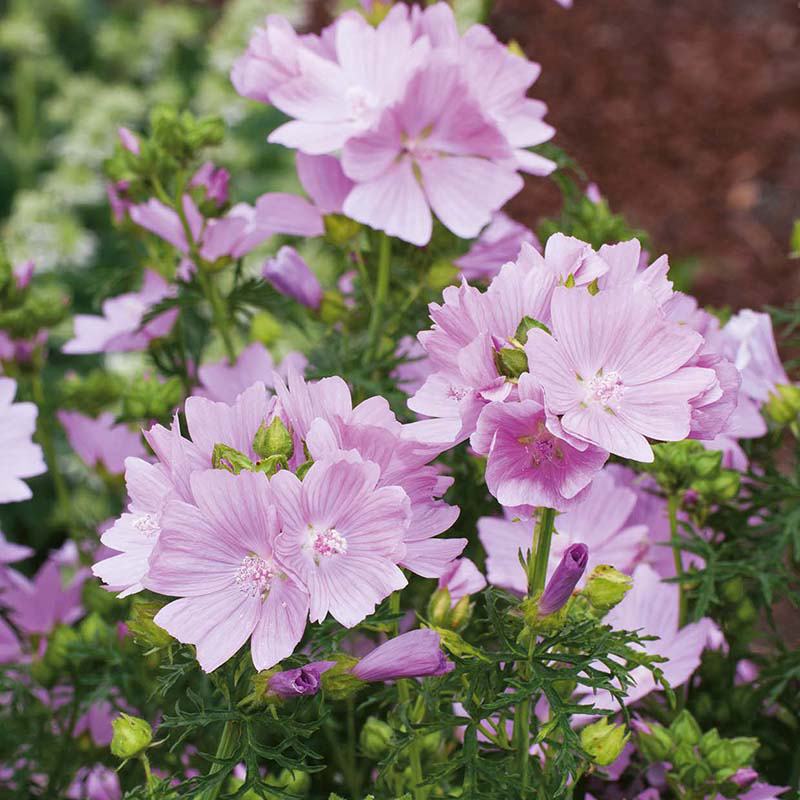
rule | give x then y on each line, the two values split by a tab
132	736
606	587
375	738
141	625
603	741
564	579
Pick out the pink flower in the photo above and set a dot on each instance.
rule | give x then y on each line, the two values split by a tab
462	579
95	783
219	556
415	654
10	649
500	241
651	607
748	340
299	682
324	181
414	367
531	461
628	267
129	140
614	368
120	328
136	532
214	180
745	422
11	552
21	457
99	441
341	93
36	606
289	273
432	150
564	579
225	382
343	536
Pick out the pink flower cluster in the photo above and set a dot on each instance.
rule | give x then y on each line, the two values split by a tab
252	557
425	120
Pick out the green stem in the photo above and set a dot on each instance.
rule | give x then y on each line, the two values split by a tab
352	768
381	294
225	749
673	504
537	573
149	782
48	446
218	311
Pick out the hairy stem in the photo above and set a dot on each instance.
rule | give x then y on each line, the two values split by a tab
225	748
673	504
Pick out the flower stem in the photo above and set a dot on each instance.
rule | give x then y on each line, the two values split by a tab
381	293
225	748
537	573
218	310
673	504
147	774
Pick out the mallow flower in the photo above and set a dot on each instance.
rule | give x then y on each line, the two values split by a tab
342	535
120	328
21	457
219	557
99	441
500	241
614	370
289	273
415	654
531	461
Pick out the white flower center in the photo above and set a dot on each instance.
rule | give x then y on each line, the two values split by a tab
255	575
605	388
360	104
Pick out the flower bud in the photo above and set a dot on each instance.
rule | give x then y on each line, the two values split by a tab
606	587
58	646
141	625
333	308
564	579
439	607
375	738
274	439
783	405
292	781
132	736
656	744
265	328
603	741
225	457
461	613
289	273
511	362
339	230
299	682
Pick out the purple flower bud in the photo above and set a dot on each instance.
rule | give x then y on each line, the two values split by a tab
214	180
563	581
416	654
129	140
745	777
290	275
301	681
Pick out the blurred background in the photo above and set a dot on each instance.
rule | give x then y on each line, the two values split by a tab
686	114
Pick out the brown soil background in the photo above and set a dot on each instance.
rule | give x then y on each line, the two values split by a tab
686	113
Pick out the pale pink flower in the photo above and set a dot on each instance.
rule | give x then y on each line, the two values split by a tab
290	274
627	267
434	150
462	579
651	607
500	241
531	461
11	552
98	441
339	94
324	181
136	532
746	422
214	180
343	536
224	382
95	783
10	648
120	328
414	367
21	457
614	369
219	556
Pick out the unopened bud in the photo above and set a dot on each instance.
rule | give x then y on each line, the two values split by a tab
274	439
460	613
606	587
656	744
685	730
511	362
141	625
564	579
375	739
783	405
225	457
603	741
439	607
132	736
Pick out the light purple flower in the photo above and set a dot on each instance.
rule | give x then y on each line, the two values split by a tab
224	382
341	93
98	441
289	273
651	607
416	654
120	328
627	266
434	150
136	532
462	579
129	140
748	340
500	241
10	648
614	368
531	460
21	457
219	556
324	181
414	368
95	783
343	536
11	552
564	579
215	182
299	682
37	605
